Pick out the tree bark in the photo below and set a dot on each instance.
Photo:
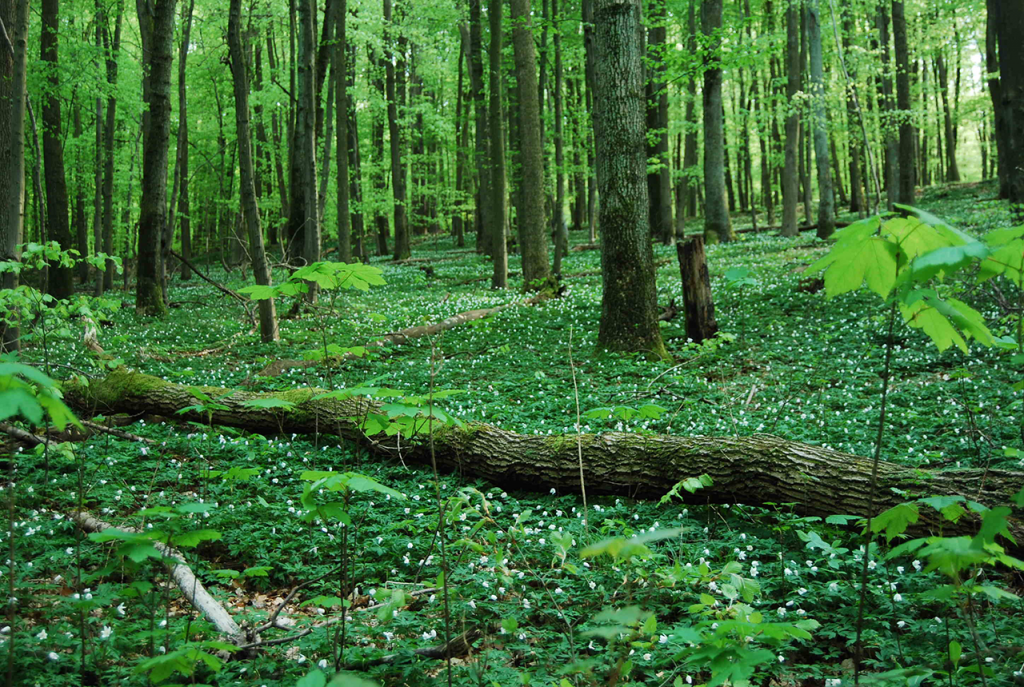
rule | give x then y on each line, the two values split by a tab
1011	59
305	134
341	114
179	183
907	158
996	95
629	307
659	184
60	280
756	470
499	204
111	47
942	71
532	223
853	123
247	187
158	18
698	305
688	184
402	250
13	72
790	173
717	225
826	199
559	233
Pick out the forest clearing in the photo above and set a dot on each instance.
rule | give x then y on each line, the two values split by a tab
674	342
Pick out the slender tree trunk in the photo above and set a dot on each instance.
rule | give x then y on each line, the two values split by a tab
360	239
533	243
106	281
499	254
629	309
657	125
158	19
393	55
247	186
81	227
341	113
61	280
907	175
952	169
559	232
167	236
587	10
380	182
461	139
484	221
275	131
790	175
305	135
717	225
97	201
853	124
13	72
826	201
688	184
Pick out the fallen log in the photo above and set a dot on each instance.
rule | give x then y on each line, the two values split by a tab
756	470
193	590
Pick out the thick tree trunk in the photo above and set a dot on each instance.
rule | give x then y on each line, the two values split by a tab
826	199
755	470
61	280
13	71
1011	58
532	223
791	172
629	307
907	158
496	124
247	187
159	22
698	305
717	226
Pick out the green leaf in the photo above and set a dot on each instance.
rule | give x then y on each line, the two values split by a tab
259	293
193	538
895	520
268	403
314	678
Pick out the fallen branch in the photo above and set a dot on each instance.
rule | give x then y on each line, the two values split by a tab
22	435
403	336
755	470
114	431
220	287
458	646
182	575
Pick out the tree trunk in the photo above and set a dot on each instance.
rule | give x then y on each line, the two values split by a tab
791	172
462	139
756	470
81	234
952	169
717	226
559	232
167	239
1011	58
158	19
247	187
360	239
483	219
698	305
826	199
907	174
499	204
690	159
61	280
13	72
660	197
97	201
111	47
402	249
533	242
629	308
341	114
853	124
305	134
996	95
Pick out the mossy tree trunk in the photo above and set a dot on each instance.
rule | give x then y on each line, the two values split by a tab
756	470
629	308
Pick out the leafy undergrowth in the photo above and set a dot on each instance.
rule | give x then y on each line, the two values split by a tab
775	595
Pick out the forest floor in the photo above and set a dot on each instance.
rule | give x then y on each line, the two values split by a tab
791	363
